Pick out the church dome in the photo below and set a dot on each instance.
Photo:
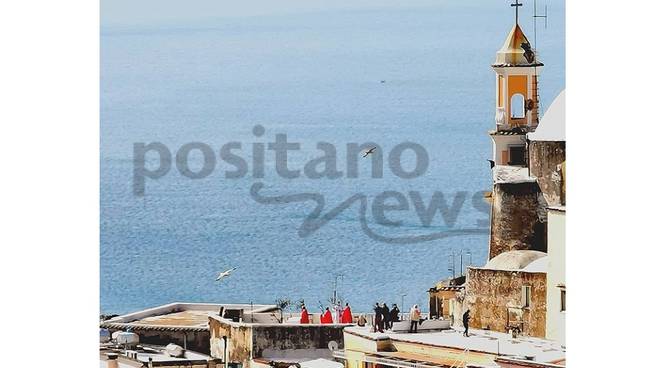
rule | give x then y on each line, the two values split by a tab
516	51
514	260
540	265
553	123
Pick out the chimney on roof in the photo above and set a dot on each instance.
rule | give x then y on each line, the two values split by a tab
112	360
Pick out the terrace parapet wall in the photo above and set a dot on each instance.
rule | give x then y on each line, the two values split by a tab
247	341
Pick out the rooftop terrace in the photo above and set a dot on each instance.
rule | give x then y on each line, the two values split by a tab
142	355
178	316
480	341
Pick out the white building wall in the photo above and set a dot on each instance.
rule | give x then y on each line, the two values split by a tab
502	143
556	318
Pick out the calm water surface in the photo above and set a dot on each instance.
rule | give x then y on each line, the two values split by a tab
316	77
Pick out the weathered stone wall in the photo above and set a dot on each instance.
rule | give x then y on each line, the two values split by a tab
239	338
492	294
545	159
288	337
518	218
248	341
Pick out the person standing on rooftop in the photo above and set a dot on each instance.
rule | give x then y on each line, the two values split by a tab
378	318
326	317
338	312
386	316
466	322
394	315
304	316
415	314
347	316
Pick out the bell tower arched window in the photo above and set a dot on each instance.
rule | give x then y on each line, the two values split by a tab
517	106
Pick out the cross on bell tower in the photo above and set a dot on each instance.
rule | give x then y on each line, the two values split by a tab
516	5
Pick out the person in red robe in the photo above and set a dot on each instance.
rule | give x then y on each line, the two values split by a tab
326	317
347	316
304	316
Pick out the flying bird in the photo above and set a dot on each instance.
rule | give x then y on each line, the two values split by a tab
492	163
370	151
224	274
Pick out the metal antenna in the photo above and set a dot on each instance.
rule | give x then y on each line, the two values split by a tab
452	266
461	262
334	289
545	19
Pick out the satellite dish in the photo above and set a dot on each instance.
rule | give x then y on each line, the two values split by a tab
333	345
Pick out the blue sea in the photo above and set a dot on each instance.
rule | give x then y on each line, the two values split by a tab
417	74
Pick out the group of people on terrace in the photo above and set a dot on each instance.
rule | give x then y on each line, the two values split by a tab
384	317
340	315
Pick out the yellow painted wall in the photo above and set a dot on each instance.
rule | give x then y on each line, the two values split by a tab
444	353
354	359
358	343
357	346
517	84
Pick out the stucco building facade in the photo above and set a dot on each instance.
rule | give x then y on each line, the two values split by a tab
509	293
556	279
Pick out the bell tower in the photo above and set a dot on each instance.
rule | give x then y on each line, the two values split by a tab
516	96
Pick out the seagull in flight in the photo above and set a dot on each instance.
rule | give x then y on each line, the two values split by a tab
370	151
224	274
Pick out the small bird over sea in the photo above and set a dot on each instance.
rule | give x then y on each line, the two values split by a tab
370	151
224	274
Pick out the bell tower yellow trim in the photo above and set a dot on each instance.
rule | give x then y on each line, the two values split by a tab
500	90
517	68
